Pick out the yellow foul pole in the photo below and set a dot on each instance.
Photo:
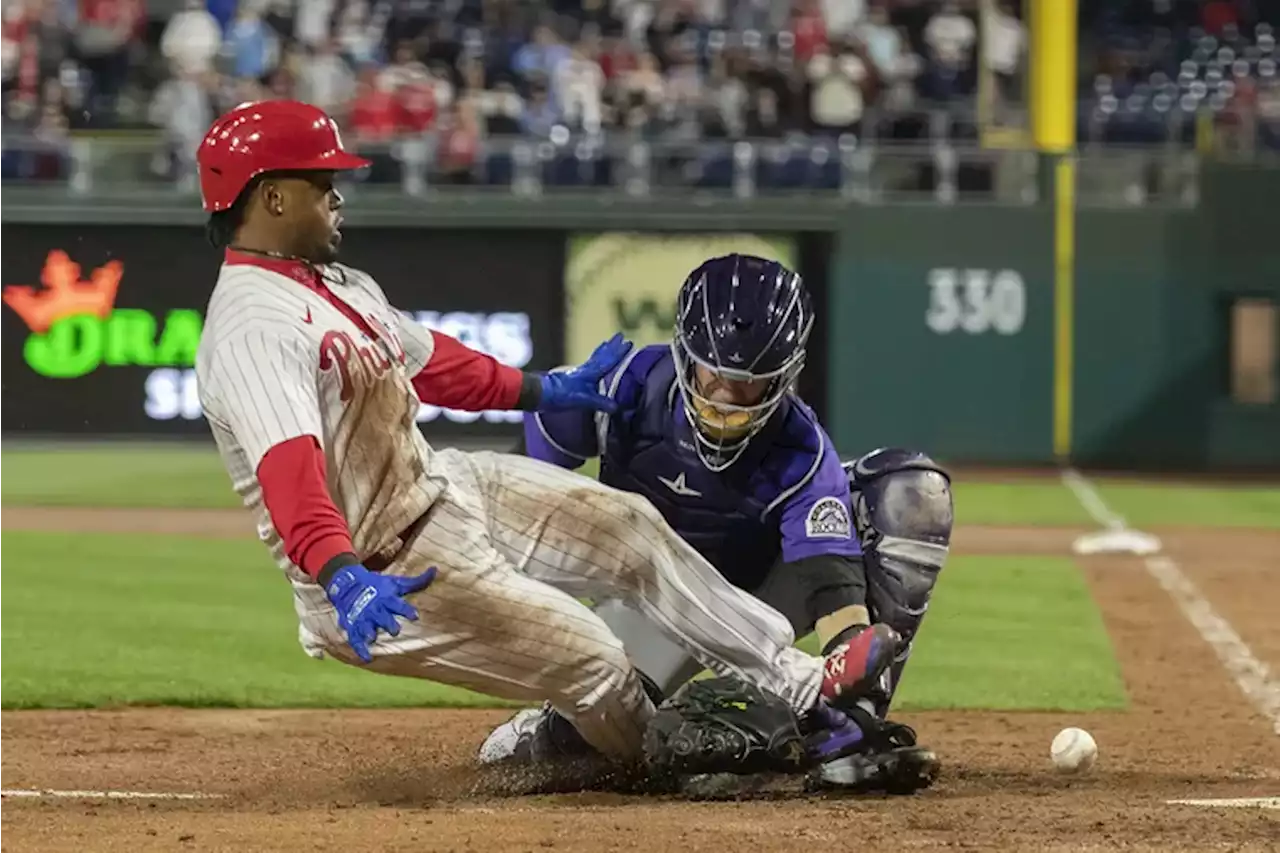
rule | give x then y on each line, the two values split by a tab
1053	27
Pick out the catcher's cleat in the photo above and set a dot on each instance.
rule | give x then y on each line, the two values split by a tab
533	735
854	666
831	734
892	763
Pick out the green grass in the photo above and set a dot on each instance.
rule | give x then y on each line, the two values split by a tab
192	477
102	620
1013	633
1047	503
1145	505
116	476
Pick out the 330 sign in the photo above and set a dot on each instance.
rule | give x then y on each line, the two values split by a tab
976	301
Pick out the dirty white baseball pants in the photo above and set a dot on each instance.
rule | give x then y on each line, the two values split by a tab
517	543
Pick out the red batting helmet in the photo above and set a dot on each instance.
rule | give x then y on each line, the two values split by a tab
266	136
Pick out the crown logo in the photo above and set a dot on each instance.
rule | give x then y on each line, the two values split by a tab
64	293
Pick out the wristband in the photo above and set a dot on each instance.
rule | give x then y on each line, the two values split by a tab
335	565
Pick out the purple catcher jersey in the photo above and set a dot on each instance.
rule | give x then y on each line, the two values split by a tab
787	496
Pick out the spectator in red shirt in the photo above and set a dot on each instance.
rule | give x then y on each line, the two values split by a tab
1215	16
375	113
809	28
459	144
130	14
617	59
418	105
27	80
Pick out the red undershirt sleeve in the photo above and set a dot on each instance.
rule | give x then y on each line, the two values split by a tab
458	377
296	493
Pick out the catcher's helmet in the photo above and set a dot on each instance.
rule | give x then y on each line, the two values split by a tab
266	136
746	319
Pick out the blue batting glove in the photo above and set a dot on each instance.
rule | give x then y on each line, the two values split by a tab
578	388
367	601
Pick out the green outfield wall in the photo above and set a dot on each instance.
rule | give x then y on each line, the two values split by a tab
937	326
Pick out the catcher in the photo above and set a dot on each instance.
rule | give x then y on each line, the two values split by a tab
710	430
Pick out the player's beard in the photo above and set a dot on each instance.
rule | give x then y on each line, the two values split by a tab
324	248
328	251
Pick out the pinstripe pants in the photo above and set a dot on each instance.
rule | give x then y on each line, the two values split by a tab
517	543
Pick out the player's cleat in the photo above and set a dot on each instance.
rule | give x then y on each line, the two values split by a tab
831	734
854	666
538	751
533	735
543	734
892	763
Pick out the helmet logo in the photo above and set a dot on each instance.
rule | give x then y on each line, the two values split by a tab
735	357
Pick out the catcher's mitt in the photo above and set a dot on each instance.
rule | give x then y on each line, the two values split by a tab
723	725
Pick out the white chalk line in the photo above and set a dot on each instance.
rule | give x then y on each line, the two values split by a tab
105	795
1231	803
1092	501
1251	675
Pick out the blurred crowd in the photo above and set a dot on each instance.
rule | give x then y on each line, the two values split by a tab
388	68
1156	66
455	73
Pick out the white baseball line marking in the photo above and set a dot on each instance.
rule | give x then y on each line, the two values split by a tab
105	795
1092	501
1251	675
1237	803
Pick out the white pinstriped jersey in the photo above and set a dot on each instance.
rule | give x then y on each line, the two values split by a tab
516	541
277	360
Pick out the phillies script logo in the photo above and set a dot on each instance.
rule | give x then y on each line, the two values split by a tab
338	350
76	328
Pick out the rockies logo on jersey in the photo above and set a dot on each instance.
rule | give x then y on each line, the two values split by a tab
827	519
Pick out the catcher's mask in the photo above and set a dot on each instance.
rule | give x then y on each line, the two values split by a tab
742	323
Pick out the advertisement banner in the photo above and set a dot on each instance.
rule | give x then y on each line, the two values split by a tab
627	282
101	324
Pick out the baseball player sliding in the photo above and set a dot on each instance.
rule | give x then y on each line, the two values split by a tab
463	568
709	430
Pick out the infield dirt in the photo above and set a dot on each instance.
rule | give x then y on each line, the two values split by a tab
401	780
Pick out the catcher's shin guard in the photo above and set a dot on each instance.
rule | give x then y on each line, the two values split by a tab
904	513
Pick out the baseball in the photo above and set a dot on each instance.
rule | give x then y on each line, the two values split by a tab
1073	750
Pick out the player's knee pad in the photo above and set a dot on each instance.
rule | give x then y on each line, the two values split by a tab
904	514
